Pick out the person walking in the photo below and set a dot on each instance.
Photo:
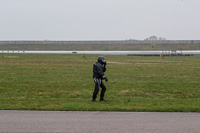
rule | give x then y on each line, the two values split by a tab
99	68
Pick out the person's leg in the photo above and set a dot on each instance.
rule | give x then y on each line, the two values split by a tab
96	89
102	91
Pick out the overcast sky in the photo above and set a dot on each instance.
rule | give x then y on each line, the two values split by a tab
99	19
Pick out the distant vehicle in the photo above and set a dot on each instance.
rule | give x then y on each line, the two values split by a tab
74	52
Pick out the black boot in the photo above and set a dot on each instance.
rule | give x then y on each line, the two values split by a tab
102	99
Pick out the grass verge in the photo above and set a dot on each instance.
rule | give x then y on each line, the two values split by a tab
64	82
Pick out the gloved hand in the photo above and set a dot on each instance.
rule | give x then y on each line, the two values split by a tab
105	63
106	79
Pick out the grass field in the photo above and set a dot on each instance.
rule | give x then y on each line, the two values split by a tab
64	82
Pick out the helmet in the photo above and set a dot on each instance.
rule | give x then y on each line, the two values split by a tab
101	59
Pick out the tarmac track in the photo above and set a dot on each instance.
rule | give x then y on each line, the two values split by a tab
98	122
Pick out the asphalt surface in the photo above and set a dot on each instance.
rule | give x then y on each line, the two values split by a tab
98	122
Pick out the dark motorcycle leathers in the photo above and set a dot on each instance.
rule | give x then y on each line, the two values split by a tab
98	75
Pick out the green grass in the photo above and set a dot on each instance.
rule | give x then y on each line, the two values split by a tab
64	82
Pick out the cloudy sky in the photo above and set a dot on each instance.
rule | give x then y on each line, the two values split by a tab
99	19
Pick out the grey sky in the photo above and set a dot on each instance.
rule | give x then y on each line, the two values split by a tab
99	19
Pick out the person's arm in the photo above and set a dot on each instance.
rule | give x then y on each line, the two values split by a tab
104	67
101	73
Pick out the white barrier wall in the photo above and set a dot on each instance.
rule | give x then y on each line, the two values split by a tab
191	52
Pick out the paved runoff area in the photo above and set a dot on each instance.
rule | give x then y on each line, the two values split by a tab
97	122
